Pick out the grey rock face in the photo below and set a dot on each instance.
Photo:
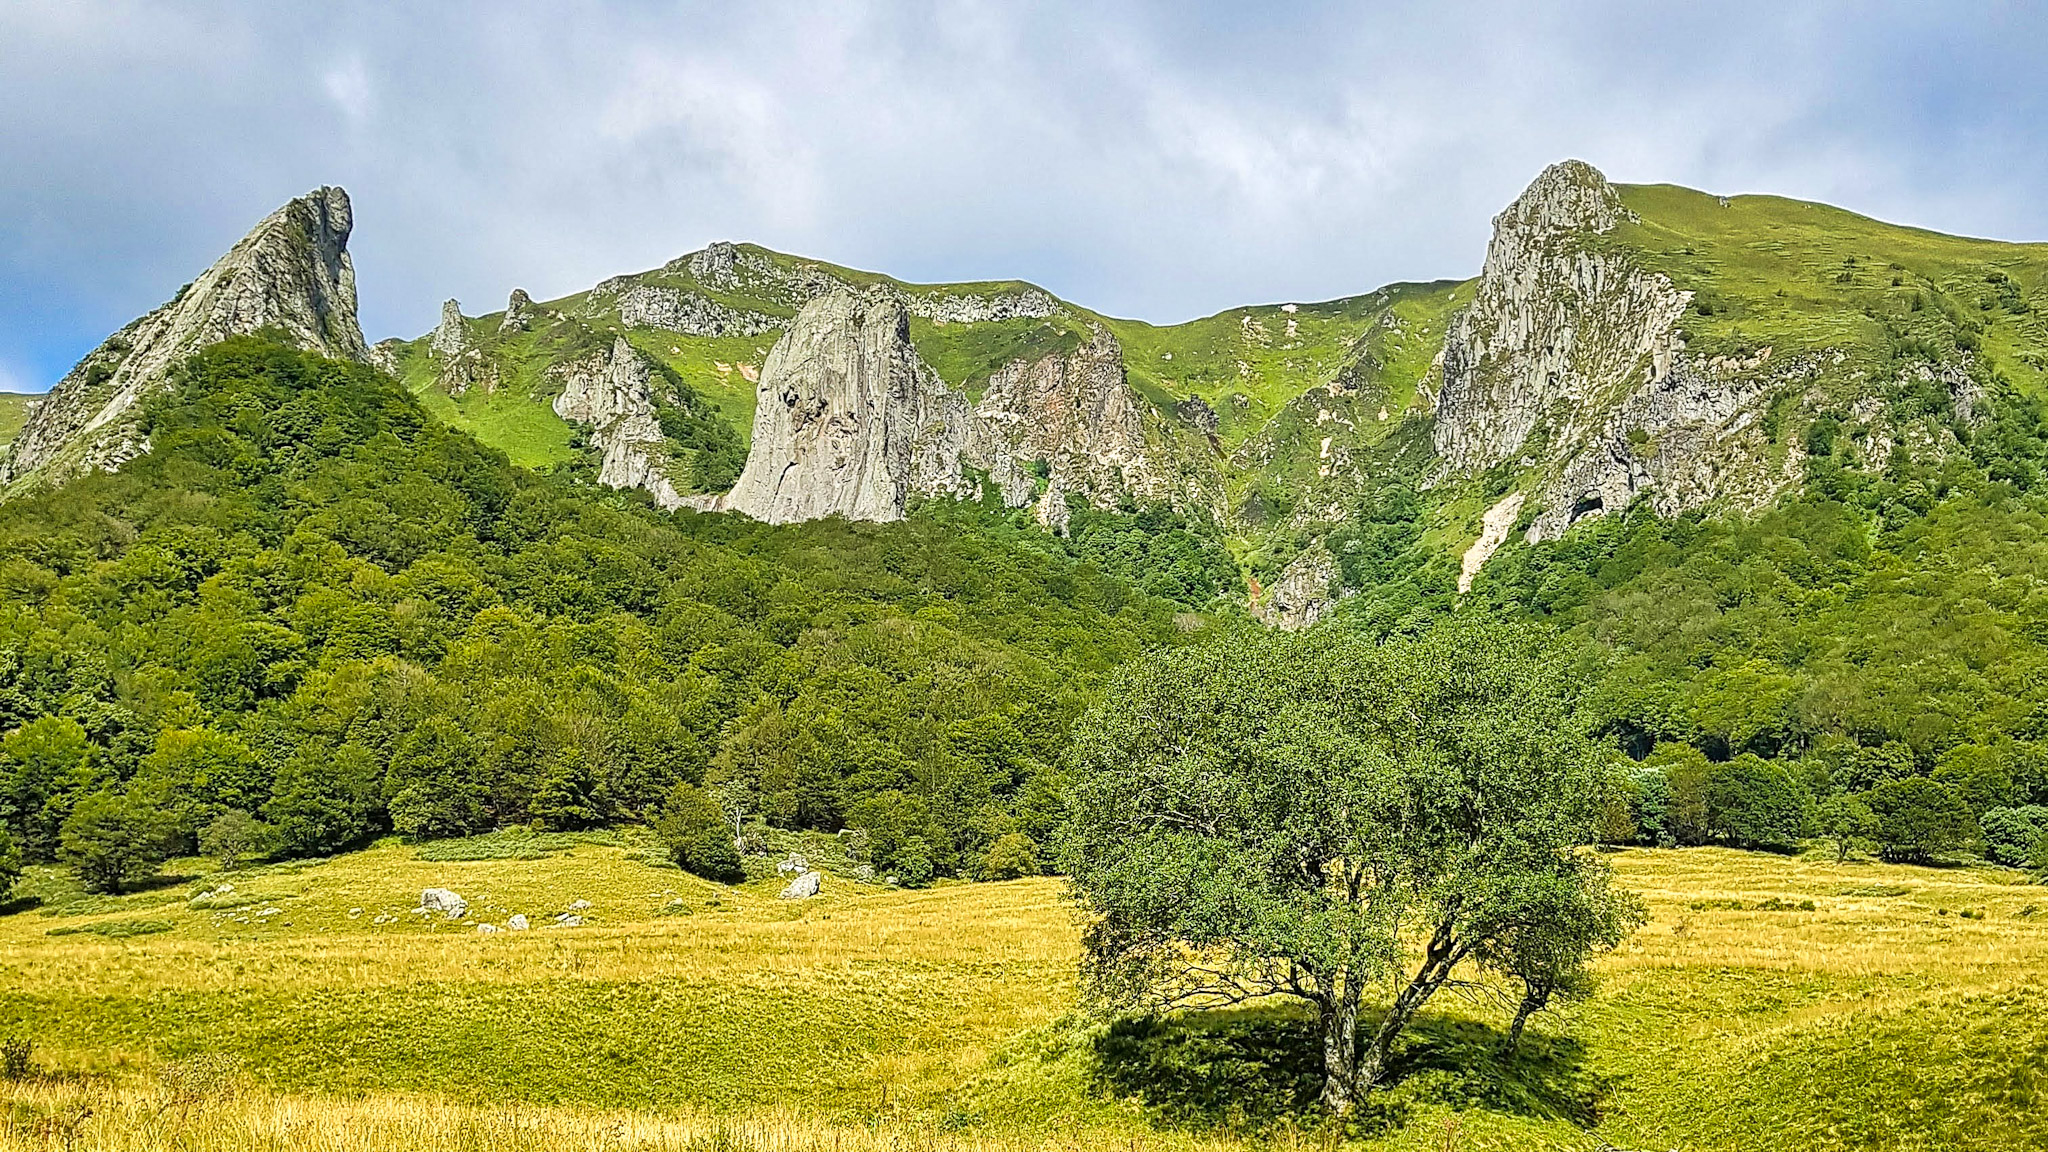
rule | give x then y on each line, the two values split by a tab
849	421
291	272
1570	358
1303	594
973	308
518	312
803	887
610	392
460	363
443	901
451	338
682	311
1076	417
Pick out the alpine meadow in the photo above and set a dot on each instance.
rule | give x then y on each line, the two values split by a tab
754	704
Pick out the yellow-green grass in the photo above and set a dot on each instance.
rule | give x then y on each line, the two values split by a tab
13	414
1798	276
1883	1017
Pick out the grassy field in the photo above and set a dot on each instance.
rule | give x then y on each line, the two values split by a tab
1771	1002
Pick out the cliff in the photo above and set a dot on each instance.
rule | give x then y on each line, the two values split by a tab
291	274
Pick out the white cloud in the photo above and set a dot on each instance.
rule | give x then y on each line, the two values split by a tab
1139	158
347	83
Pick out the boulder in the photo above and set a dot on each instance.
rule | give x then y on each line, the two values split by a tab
517	923
796	865
485	929
803	887
443	901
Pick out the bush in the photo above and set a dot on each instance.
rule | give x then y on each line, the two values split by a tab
10	863
1917	818
699	840
17	1058
2010	833
1847	822
1754	803
114	842
1010	857
233	835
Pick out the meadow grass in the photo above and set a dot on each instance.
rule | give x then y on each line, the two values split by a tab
1883	1017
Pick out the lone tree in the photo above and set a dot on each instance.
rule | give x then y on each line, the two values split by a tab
1278	815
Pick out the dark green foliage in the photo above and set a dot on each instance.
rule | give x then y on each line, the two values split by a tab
312	602
115	841
1847	822
698	836
1918	818
2011	833
1171	555
1753	803
10	864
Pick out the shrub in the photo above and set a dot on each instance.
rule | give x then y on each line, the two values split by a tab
2010	833
10	864
233	835
114	842
17	1058
1916	818
1010	857
693	828
1753	803
1847	822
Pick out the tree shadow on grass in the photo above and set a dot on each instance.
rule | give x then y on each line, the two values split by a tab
1257	1069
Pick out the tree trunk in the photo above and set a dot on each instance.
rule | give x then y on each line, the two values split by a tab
1529	1007
1442	956
1339	1018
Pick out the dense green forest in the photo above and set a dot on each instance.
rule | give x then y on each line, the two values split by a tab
312	603
315	605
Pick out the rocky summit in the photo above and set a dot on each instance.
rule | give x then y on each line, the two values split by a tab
291	274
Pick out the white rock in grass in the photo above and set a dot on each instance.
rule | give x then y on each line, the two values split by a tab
484	929
803	887
517	923
443	901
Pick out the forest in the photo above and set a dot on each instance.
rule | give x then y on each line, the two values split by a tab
312	615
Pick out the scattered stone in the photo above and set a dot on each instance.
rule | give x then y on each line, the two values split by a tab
796	865
486	929
354	912
517	923
803	887
578	905
568	920
443	901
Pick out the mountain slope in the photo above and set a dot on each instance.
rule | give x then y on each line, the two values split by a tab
291	273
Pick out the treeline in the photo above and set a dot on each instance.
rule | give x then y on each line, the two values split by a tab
313	607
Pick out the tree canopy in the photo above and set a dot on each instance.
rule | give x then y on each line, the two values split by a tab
1312	816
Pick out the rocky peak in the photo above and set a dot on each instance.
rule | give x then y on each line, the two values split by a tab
452	337
518	312
291	274
848	420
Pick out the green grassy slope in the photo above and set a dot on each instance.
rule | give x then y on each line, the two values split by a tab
13	414
1798	277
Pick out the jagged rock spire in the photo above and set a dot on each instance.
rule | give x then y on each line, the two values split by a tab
291	274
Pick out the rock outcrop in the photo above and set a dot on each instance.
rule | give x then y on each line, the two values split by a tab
519	312
1075	419
459	362
610	391
1570	361
848	420
291	273
1303	594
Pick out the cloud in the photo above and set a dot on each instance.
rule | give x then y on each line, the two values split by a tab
1146	159
347	83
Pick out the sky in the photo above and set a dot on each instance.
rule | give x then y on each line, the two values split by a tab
1161	161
